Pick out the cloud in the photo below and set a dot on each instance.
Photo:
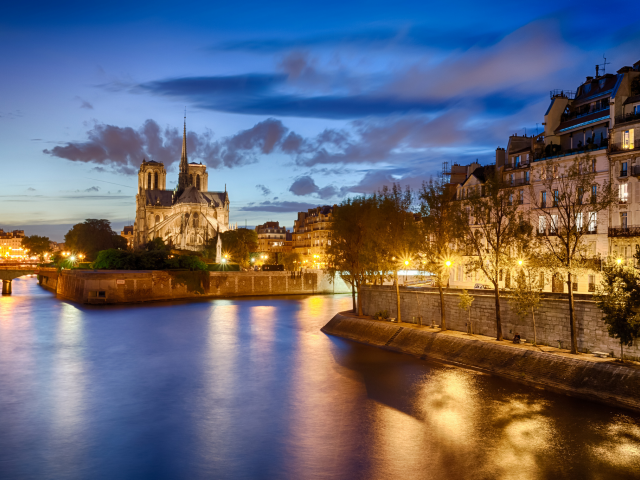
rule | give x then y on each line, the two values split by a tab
124	148
91	189
31	189
84	103
305	185
264	190
278	207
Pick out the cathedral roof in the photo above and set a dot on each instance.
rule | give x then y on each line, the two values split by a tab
192	195
159	197
216	199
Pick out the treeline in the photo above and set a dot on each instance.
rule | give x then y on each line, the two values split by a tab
486	232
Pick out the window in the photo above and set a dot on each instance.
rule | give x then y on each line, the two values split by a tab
623	194
543	199
592	283
149	181
556	198
526	176
511	199
516	161
527	158
594	193
579	221
592	227
627	139
623	219
542	224
521	199
593	164
554	224
198	182
511	179
580	195
623	169
155	180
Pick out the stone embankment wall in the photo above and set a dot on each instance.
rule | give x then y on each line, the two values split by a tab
552	318
603	381
123	286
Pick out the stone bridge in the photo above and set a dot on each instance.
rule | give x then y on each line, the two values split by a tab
11	270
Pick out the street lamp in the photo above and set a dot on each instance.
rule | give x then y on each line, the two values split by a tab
448	263
520	262
619	261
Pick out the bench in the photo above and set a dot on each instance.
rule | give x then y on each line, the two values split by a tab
600	354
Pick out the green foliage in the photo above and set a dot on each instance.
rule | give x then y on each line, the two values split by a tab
465	300
93	236
619	299
113	259
36	245
239	244
382	313
290	260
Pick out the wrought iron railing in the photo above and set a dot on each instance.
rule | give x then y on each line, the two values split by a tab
627	118
620	147
628	231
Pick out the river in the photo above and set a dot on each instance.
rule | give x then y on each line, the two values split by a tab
251	388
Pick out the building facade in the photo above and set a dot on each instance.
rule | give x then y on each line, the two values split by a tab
598	121
312	235
272	238
11	244
186	217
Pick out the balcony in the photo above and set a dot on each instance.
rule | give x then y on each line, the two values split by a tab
575	114
626	118
562	93
557	152
628	231
620	148
519	182
623	173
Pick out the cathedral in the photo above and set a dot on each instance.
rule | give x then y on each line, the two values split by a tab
186	217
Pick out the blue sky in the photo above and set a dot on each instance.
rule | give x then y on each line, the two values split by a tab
290	104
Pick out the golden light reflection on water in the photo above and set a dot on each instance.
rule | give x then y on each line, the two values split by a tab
620	446
321	412
526	436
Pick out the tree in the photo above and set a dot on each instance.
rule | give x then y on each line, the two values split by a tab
566	217
290	260
526	295
491	229
352	232
239	244
92	236
441	221
619	298
36	245
464	303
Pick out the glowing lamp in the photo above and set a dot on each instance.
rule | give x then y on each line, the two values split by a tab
406	262
448	263
619	261
519	262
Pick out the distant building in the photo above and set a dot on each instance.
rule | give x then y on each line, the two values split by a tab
11	243
311	235
127	234
272	238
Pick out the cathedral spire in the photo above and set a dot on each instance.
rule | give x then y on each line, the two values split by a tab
183	176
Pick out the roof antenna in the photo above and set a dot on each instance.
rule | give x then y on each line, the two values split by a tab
604	65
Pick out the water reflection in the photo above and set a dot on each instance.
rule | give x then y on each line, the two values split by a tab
250	388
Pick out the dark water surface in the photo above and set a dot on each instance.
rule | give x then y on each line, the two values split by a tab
252	389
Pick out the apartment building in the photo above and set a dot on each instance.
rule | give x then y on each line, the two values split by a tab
11	243
600	120
272	238
311	234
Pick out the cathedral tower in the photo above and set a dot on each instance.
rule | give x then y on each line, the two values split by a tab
183	176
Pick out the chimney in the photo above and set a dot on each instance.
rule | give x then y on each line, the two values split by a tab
589	79
500	157
597	71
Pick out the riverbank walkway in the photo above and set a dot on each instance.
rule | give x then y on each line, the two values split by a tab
587	357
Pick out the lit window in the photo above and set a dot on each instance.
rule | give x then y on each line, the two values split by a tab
627	139
554	224
542	222
623	193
